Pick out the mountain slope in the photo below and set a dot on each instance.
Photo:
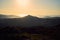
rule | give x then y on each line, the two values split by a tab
30	21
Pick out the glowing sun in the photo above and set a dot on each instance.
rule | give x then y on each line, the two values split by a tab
22	2
22	15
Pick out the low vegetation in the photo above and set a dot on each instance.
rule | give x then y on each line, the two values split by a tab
33	33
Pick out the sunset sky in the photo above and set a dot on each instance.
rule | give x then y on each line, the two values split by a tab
38	8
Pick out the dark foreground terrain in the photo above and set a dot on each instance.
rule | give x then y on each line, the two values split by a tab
33	33
29	28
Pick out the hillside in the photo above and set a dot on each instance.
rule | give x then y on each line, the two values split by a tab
30	21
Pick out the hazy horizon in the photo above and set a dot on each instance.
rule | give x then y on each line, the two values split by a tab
39	8
15	16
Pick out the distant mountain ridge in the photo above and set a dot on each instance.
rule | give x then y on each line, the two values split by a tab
7	16
30	21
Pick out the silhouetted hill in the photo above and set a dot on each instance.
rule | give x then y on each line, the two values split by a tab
30	28
7	16
30	21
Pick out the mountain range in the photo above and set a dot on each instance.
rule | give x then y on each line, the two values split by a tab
7	16
29	21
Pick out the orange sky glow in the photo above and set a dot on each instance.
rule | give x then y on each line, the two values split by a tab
28	7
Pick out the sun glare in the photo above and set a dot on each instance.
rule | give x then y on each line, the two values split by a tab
22	15
22	2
